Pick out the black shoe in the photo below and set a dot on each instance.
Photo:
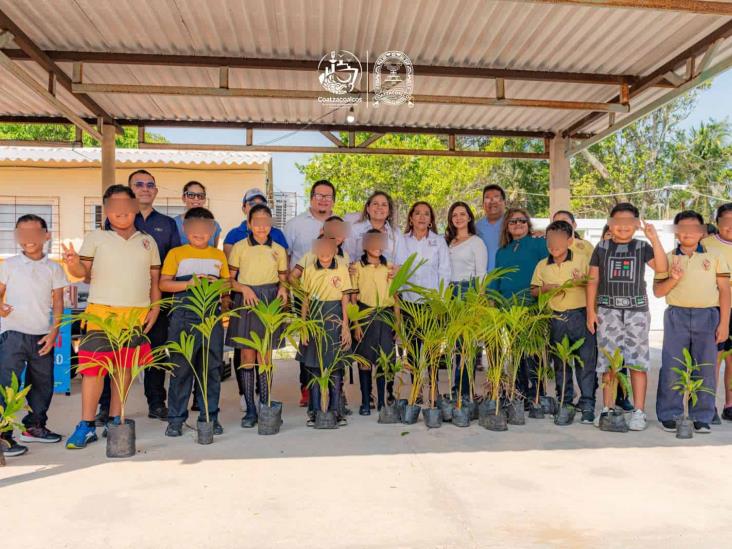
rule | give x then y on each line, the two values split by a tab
39	434
101	419
624	404
311	420
588	417
217	428
195	407
669	425
727	413
247	422
347	411
364	411
419	400
14	450
342	421
158	412
174	430
716	420
390	399
703	428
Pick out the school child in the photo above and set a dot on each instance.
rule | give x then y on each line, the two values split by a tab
617	303
326	285
123	265
333	227
697	292
578	246
182	266
258	268
565	265
721	242
31	287
370	283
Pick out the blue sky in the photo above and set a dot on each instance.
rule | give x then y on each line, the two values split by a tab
713	103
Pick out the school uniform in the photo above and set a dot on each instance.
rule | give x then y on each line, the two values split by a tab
582	248
570	320
325	286
184	263
371	284
715	243
29	285
690	322
353	245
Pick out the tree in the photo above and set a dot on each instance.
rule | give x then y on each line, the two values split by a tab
64	132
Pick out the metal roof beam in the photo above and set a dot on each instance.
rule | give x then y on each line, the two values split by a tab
688	6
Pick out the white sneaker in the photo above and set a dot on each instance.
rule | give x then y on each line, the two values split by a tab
637	420
242	403
596	423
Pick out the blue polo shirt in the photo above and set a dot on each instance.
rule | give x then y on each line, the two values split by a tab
184	239
242	231
160	226
490	234
523	255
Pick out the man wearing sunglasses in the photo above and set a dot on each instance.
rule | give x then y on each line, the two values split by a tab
163	230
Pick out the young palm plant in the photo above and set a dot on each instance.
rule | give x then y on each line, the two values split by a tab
566	352
388	367
689	386
616	380
13	401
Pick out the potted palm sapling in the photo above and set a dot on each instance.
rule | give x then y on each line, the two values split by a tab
389	368
543	403
688	386
203	305
13	401
495	339
566	353
126	356
614	420
516	322
433	344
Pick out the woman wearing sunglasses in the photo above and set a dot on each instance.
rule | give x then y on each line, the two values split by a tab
194	196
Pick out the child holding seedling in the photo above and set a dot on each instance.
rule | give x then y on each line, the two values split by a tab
567	267
31	287
697	292
258	268
326	285
370	283
182	268
617	303
722	244
123	265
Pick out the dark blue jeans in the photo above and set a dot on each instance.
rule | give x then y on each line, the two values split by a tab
181	381
19	352
573	324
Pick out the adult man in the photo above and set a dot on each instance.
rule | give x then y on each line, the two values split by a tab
489	227
251	198
300	232
165	233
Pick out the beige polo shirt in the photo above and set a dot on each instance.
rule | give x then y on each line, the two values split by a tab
697	289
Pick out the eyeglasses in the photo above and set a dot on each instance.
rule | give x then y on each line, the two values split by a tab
144	184
518	221
195	196
319	196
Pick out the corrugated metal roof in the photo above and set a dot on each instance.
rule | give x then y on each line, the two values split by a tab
93	155
470	33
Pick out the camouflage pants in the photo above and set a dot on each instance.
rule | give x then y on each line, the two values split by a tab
625	330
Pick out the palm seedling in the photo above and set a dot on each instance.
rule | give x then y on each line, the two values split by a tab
12	401
688	385
566	353
388	368
615	380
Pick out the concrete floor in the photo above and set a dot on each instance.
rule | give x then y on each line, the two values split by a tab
371	485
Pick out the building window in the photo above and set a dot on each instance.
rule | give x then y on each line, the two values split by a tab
12	207
285	207
93	210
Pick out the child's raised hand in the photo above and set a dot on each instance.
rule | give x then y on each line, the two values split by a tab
650	231
5	310
69	254
676	272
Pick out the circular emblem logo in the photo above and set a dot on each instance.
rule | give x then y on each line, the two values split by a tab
339	72
393	79
146	244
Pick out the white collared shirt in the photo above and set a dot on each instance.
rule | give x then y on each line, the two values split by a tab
432	249
300	231
468	259
354	243
29	285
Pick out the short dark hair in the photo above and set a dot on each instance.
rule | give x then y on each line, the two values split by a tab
688	214
138	172
723	209
191	183
198	213
494	187
258	208
560	227
565	212
334	218
625	207
320	182
373	231
117	189
32	218
712	229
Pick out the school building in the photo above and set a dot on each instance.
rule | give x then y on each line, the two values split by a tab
62	184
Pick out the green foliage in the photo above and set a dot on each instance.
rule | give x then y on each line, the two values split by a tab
14	402
687	384
65	132
617	379
566	352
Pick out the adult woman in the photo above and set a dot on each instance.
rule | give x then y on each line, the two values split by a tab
378	213
468	262
520	251
194	196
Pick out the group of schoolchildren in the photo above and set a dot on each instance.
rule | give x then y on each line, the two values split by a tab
607	305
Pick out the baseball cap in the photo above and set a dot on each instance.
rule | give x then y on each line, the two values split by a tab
251	194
